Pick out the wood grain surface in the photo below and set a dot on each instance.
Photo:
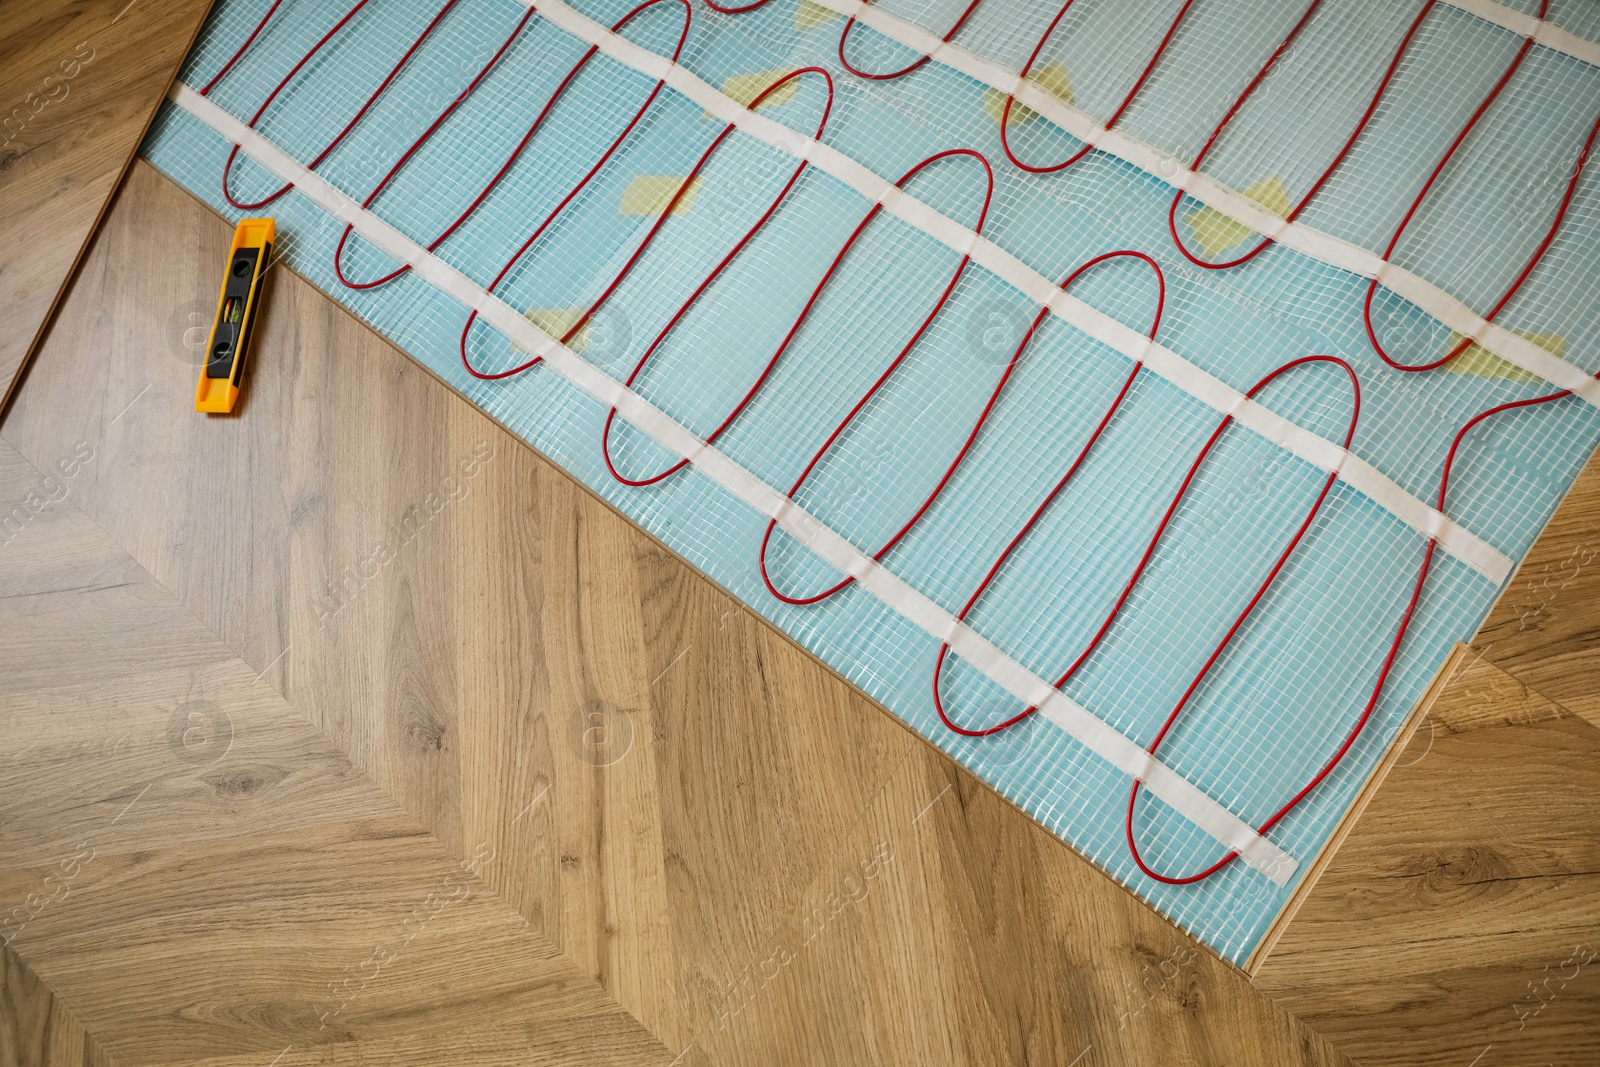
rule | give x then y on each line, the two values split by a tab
1459	921
80	81
747	856
36	1026
200	876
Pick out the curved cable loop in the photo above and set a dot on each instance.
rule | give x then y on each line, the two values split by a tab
888	372
1427	186
1327	174
1127	101
977	427
1384	669
416	145
725	10
844	35
1511	290
705	284
349	127
1044	506
573	193
1149	552
1244	615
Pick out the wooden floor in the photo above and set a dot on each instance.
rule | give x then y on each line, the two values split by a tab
1461	916
349	730
81	81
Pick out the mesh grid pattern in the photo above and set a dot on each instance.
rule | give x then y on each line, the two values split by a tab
1286	690
1579	16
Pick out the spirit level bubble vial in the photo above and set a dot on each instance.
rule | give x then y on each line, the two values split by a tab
234	327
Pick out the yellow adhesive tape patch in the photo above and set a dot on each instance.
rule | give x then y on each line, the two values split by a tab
1052	78
557	321
1217	233
1479	362
809	16
649	194
744	88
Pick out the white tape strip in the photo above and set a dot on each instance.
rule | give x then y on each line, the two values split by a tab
1308	241
1547	34
1454	539
1123	753
1462	319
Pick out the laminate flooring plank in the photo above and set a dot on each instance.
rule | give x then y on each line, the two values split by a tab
1460	917
199	873
37	1028
81	80
947	929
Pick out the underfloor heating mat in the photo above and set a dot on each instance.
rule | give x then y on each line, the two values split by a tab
1137	397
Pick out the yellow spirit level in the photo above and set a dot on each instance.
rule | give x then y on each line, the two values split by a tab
236	316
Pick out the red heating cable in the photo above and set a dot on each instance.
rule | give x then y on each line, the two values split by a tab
1127	101
1511	291
977	427
327	150
888	372
416	145
720	9
1138	572
516	153
797	323
1378	684
694	297
1049	498
1150	547
649	237
1505	298
205	90
794	329
1349	144
844	35
437	123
